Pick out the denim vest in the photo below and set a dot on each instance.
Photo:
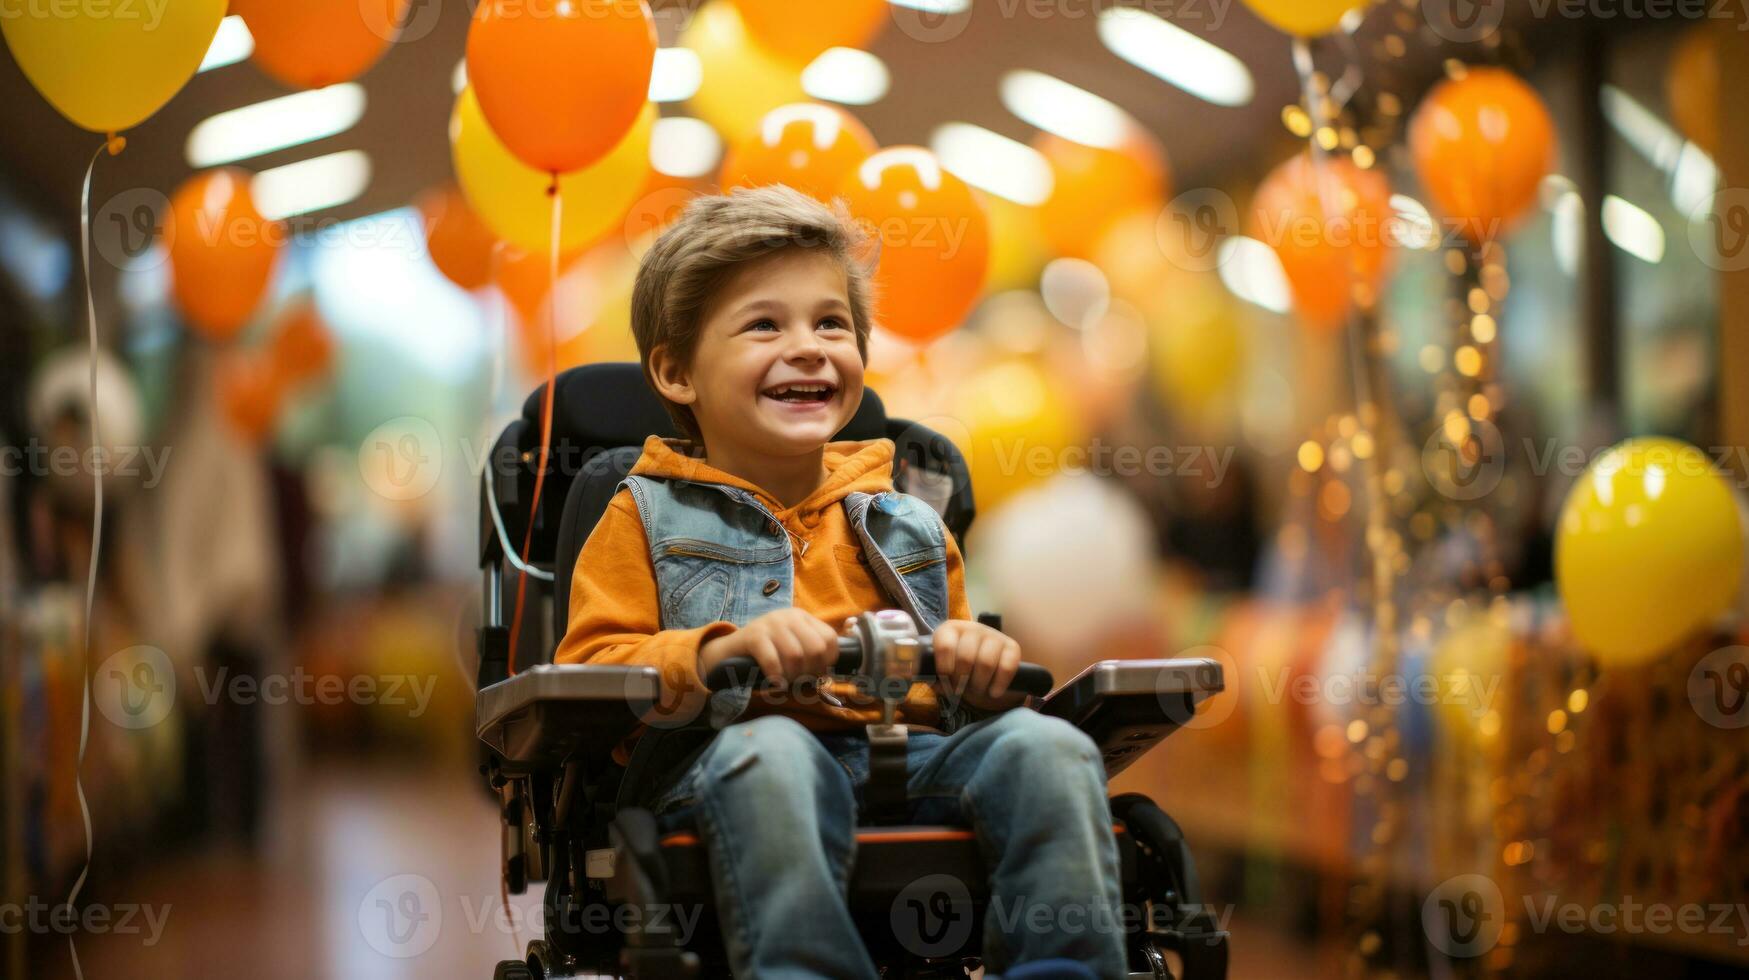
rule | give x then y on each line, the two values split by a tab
720	554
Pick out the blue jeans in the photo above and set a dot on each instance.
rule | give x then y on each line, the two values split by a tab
776	806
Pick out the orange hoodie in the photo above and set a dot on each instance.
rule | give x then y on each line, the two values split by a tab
616	613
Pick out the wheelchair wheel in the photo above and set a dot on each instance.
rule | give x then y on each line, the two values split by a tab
512	970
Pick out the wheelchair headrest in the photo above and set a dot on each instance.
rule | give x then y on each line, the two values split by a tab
607	405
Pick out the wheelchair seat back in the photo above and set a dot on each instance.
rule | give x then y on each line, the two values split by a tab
602	413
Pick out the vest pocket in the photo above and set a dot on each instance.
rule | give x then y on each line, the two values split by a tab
701	597
917	563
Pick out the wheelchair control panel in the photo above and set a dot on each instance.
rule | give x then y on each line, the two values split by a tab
884	654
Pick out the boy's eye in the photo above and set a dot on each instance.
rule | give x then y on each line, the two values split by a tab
833	323
762	325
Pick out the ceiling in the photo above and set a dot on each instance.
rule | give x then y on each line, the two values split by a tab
404	128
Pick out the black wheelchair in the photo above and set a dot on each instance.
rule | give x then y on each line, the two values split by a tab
550	732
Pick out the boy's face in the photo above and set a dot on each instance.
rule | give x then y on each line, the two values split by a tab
776	370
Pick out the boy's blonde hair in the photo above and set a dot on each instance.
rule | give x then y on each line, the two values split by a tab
717	234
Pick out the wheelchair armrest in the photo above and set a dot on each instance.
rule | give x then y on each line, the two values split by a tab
1128	706
553	712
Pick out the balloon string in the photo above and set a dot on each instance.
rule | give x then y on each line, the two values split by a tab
1369	904
546	413
109	146
1365	393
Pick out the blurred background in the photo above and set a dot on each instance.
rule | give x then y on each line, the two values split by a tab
1295	335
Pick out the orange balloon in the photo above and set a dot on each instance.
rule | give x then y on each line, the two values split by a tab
303	349
1692	87
312	43
1482	145
933	237
1326	259
459	243
1094	186
249	393
561	81
808	146
221	251
800	32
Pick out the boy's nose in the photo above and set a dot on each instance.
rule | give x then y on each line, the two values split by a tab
804	346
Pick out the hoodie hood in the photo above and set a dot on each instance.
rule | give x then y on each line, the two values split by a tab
851	467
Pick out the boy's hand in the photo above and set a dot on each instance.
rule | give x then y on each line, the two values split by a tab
788	644
978	663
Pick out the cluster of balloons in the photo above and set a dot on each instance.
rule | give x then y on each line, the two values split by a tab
107	71
1481	142
1648	551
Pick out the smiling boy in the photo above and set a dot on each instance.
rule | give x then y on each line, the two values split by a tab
752	536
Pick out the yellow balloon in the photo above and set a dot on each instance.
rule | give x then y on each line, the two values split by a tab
1017	245
1648	550
107	67
511	197
1197	345
742	82
1015	428
1305	18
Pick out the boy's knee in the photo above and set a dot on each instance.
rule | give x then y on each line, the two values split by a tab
769	749
1050	735
1046	740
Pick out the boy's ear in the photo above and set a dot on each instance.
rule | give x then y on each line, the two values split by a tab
670	377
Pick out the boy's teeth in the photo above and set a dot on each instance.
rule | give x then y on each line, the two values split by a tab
793	390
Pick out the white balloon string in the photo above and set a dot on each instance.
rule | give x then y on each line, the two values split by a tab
96	545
